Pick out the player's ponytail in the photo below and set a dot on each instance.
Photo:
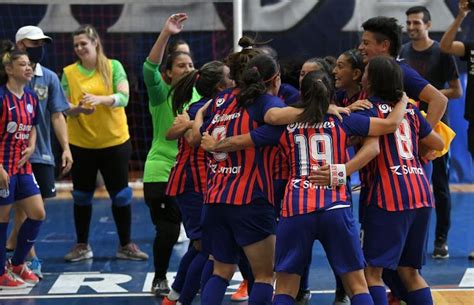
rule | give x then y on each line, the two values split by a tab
237	61
316	92
385	79
206	80
257	78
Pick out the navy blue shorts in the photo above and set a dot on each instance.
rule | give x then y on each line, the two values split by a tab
336	230
392	239
227	228
190	204
21	186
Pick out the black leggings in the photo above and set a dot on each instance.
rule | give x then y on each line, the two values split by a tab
166	217
113	165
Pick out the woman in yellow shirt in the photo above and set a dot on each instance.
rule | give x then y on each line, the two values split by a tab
98	92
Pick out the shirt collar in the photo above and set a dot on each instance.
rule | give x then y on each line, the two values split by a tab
38	70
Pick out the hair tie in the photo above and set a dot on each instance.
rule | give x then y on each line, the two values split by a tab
248	48
198	75
6	58
255	68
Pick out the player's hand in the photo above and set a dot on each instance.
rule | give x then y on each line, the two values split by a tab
208	143
320	175
92	100
205	106
181	119
85	109
360	105
338	111
464	7
175	23
25	155
4	179
66	162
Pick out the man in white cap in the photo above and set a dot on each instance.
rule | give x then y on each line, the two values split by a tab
52	104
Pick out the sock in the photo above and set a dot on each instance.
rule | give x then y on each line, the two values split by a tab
166	236
214	291
82	221
193	278
183	268
283	299
123	222
26	239
3	244
206	273
362	299
420	297
262	294
379	295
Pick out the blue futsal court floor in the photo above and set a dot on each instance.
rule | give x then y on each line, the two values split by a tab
105	280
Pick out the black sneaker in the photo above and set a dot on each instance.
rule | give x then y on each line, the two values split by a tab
440	250
471	256
341	298
303	297
160	287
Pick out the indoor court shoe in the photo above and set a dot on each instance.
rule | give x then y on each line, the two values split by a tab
24	273
160	287
131	252
341	298
471	256
392	300
80	252
242	292
440	250
167	301
9	281
303	297
35	266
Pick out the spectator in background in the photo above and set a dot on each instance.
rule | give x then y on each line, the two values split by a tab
52	104
97	88
465	50
424	55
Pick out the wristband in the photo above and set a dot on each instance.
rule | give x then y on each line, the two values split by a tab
337	174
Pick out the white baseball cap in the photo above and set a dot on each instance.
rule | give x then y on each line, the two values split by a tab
31	32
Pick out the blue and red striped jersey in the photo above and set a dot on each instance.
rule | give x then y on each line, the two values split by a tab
239	177
290	95
189	171
17	118
343	100
398	180
308	146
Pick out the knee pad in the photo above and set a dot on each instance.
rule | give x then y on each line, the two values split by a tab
82	198
122	198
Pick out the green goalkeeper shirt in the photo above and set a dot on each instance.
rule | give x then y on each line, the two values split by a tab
162	155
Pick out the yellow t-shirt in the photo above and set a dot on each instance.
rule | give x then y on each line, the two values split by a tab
107	126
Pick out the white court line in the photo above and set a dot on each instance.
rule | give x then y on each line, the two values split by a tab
123	295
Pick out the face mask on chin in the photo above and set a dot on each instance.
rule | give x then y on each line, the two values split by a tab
35	54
